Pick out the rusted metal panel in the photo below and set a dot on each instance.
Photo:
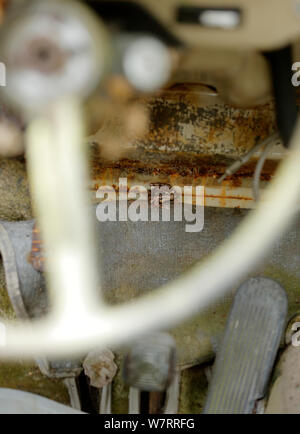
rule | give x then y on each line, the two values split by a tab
182	170
193	137
192	118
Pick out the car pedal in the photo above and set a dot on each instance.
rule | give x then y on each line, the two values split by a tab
246	357
149	368
150	364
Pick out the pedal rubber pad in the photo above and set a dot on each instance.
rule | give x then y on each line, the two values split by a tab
246	357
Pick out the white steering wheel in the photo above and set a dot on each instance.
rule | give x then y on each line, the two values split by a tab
79	320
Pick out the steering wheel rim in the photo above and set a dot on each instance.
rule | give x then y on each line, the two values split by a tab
80	321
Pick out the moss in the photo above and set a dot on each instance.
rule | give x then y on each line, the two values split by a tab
198	338
290	283
120	392
15	202
6	310
26	377
117	296
193	390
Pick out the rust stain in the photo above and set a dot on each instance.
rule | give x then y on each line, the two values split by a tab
225	197
191	118
3	5
36	256
181	170
193	137
176	166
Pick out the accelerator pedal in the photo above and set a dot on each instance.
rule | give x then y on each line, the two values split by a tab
246	357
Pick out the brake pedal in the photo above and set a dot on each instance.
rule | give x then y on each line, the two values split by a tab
245	360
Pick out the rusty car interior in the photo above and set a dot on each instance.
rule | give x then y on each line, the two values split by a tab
139	317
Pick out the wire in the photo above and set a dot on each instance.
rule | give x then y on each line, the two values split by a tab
233	168
259	168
